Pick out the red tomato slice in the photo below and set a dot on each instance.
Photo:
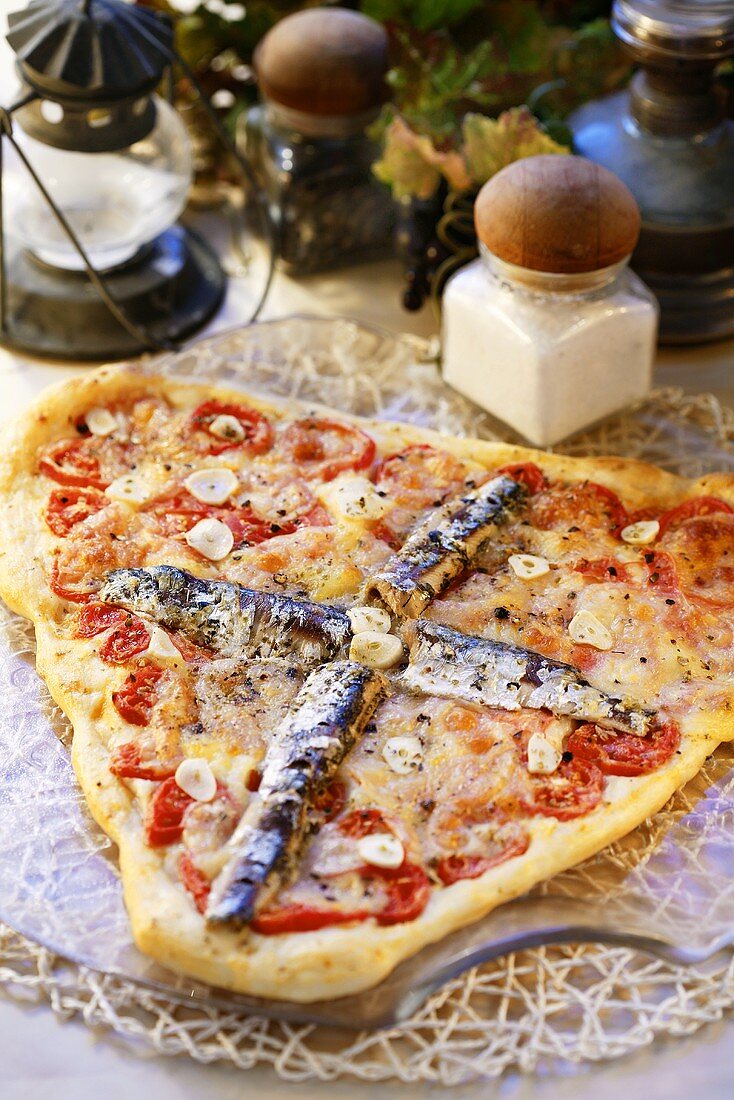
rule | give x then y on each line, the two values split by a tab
68	507
382	531
603	569
195	881
135	699
408	891
97	617
330	801
699	506
528	474
573	790
583	505
126	640
64	591
127	762
407	888
164	819
361	823
325	448
420	475
258	430
662	574
624	753
178	513
453	868
303	918
70	463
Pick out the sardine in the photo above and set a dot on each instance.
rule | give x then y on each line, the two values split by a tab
438	552
231	620
495	674
329	716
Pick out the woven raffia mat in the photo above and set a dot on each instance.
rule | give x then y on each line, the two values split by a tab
528	1010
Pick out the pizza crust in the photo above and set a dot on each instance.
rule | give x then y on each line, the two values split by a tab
338	960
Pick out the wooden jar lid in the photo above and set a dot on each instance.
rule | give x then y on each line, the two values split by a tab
324	61
556	213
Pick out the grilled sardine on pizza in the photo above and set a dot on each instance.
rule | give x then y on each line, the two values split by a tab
339	687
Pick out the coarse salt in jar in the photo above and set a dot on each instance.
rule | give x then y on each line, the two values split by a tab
549	330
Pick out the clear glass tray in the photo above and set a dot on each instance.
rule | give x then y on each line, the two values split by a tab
666	889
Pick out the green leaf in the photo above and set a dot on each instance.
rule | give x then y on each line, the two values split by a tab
491	144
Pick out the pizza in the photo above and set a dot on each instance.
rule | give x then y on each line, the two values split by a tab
340	687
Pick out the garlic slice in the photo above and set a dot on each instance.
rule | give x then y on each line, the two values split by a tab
354	497
528	566
227	427
100	421
212	486
376	650
161	648
131	489
196	779
586	629
369	618
543	756
641	533
403	754
381	850
212	538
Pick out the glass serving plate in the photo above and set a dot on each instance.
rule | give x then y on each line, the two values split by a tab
666	889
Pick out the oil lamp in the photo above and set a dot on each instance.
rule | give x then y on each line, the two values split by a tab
95	172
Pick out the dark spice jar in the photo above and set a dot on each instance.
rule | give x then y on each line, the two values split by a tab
321	74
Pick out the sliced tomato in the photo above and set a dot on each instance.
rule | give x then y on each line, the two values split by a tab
382	530
407	890
662	573
135	699
98	617
164	819
361	823
624	753
125	641
603	569
420	475
258	431
128	762
68	507
195	881
528	474
698	506
65	591
511	842
303	918
573	790
331	801
71	462
315	517
177	513
583	506
702	549
325	448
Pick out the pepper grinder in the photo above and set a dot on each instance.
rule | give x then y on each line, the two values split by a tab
321	74
666	136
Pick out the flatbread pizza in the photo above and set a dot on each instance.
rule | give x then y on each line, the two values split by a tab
340	687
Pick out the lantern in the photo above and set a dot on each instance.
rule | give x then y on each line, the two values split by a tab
96	169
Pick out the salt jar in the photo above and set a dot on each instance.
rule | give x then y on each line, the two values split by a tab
321	74
549	330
